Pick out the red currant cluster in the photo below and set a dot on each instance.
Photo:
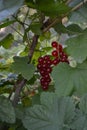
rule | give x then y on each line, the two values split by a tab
59	54
45	64
44	67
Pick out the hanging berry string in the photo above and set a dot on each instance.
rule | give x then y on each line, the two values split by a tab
44	67
45	64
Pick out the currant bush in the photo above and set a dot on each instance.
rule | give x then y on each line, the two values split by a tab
45	64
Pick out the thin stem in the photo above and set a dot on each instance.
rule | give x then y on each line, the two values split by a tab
51	24
18	86
26	15
58	20
16	31
78	6
32	48
69	1
20	22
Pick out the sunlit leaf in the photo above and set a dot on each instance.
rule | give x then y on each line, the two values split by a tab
7	41
7	23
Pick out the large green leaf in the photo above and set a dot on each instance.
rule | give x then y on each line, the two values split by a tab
53	114
21	66
80	122
83	104
66	78
7	113
77	47
8	7
51	7
7	41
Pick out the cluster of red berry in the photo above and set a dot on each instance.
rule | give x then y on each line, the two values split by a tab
44	67
45	64
59	54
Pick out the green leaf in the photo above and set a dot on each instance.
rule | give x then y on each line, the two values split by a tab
7	23
53	113
60	28
9	7
36	99
72	29
21	66
19	111
30	3
80	121
36	28
7	113
77	47
7	41
52	8
66	78
83	104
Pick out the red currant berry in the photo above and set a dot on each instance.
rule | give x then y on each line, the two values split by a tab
54	44
46	83
42	80
40	60
48	80
55	61
63	60
55	53
49	70
60	48
49	62
46	57
61	54
39	66
65	56
42	72
45	87
44	65
46	76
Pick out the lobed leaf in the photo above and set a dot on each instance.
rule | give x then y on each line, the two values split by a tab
21	66
80	121
7	112
7	41
77	47
50	7
67	78
53	113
